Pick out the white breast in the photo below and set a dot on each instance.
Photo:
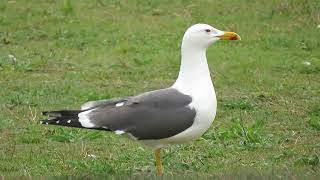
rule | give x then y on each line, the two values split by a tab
205	103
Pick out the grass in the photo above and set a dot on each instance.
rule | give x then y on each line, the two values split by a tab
59	54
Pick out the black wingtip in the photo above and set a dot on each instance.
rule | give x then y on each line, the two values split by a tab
62	118
50	121
44	122
65	118
61	113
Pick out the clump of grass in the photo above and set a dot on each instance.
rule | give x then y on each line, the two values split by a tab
243	103
314	118
278	158
314	122
67	7
247	136
250	135
309	159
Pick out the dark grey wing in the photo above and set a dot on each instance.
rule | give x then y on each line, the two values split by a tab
153	115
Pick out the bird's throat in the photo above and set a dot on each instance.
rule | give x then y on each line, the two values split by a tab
194	67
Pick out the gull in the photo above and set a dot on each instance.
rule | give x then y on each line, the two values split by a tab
160	118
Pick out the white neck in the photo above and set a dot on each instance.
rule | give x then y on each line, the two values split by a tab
194	70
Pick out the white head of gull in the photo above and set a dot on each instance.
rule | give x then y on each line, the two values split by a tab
178	114
195	42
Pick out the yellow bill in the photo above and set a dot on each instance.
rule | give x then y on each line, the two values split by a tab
230	36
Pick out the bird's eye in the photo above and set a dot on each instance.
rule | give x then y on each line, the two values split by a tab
208	30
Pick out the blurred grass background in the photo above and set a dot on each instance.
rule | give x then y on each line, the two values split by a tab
59	54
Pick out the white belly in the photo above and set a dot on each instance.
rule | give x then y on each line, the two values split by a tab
206	111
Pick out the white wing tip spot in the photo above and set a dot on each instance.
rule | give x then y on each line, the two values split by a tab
119	132
57	122
69	121
119	104
191	105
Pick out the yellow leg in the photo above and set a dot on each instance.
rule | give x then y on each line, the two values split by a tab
157	153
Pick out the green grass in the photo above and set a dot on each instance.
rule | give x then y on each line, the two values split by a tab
59	54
